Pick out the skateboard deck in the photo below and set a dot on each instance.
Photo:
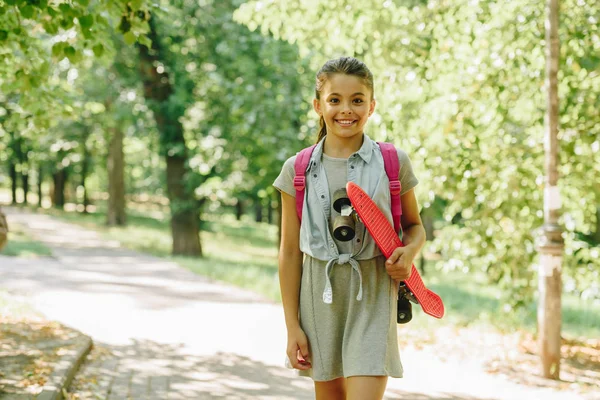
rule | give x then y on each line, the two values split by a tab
387	240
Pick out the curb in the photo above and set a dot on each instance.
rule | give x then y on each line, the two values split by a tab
63	374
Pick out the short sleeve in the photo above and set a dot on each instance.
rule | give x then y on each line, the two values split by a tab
285	181
408	180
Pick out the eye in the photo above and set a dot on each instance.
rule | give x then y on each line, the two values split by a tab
359	101
334	100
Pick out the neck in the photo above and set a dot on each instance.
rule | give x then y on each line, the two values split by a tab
342	147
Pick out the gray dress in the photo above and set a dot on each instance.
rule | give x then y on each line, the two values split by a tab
348	337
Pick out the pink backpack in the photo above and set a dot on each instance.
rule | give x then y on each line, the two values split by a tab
392	169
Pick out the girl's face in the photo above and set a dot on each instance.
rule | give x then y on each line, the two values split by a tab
345	105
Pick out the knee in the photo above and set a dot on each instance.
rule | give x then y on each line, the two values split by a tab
331	390
366	387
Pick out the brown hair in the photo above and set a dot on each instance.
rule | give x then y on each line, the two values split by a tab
342	65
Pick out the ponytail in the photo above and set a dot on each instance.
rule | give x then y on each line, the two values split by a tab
322	129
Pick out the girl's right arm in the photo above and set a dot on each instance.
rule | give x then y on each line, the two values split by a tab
290	275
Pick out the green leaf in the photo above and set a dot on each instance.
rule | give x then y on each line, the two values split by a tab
65	9
86	21
44	69
136	4
87	34
58	49
70	53
51	11
590	63
98	50
100	20
84	3
129	38
27	12
66	22
3	35
124	25
145	40
51	27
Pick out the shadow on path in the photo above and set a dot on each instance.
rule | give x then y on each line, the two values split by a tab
148	370
90	264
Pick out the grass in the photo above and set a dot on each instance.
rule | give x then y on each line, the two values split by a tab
245	254
20	244
470	300
241	253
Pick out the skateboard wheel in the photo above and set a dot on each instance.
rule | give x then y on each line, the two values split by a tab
404	310
343	228
340	199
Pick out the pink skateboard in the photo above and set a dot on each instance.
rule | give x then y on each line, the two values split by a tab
387	240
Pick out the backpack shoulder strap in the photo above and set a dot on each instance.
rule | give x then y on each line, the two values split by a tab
392	169
302	159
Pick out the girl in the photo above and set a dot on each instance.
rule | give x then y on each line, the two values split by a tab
340	301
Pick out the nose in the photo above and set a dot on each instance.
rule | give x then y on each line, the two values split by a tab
346	109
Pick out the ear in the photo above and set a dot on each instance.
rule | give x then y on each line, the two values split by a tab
317	107
372	107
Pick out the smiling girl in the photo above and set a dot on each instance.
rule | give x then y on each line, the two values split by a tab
340	297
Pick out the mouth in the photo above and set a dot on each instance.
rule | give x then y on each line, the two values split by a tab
345	122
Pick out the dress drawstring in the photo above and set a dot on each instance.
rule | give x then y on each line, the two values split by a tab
341	259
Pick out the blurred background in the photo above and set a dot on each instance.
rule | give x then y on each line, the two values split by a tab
163	125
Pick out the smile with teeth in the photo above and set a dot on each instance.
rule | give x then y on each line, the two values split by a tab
345	122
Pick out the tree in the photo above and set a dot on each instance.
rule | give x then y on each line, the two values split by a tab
458	87
159	93
551	244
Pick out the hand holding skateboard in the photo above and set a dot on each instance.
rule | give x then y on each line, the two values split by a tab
387	240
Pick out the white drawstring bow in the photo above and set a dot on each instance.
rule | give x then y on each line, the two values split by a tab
341	259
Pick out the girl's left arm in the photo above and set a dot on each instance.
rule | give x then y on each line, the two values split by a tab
399	265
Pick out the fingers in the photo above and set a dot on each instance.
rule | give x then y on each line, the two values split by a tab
399	264
299	359
303	349
395	256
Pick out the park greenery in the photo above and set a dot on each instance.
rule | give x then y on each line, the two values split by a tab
196	104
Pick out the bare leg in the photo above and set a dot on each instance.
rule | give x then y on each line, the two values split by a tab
366	387
331	390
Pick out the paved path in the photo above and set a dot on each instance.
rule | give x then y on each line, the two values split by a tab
176	335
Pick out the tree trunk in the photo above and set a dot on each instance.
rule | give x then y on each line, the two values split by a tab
18	152
58	191
184	214
551	244
270	212
597	231
84	173
239	209
158	92
25	183
12	171
39	186
115	214
24	173
258	211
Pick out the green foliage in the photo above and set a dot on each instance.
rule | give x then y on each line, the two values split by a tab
241	95
460	86
41	40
